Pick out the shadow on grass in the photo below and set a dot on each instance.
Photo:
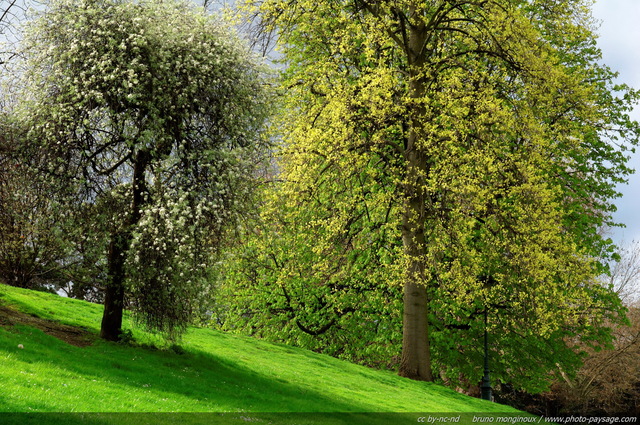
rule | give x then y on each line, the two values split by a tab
196	378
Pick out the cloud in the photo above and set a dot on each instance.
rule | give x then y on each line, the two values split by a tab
620	36
620	43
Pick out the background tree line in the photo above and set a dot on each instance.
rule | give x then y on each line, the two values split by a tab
437	163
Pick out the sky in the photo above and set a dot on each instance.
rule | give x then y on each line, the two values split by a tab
620	43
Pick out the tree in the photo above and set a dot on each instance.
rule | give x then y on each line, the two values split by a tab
150	112
9	14
33	249
608	382
478	132
293	280
625	274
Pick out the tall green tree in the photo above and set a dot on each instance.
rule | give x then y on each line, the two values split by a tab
151	113
480	134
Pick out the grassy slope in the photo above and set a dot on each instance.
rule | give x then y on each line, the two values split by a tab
213	372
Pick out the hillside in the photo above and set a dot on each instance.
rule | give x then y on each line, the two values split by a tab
52	361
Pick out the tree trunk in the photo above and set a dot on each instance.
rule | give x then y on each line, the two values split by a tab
111	327
416	356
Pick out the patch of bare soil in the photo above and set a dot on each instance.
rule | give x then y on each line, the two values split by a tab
69	334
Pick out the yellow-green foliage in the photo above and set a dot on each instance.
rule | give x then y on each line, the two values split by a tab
459	144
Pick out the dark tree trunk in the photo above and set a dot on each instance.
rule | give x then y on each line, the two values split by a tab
114	294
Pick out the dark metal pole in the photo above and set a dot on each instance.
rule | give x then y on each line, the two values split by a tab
486	379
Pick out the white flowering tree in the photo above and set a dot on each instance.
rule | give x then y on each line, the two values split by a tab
157	108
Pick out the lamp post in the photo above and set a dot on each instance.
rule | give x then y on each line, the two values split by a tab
486	379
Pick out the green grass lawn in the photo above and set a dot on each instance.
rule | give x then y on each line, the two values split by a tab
209	372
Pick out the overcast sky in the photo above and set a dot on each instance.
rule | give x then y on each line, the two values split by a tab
620	44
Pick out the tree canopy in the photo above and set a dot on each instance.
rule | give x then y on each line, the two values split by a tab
151	113
445	168
464	151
